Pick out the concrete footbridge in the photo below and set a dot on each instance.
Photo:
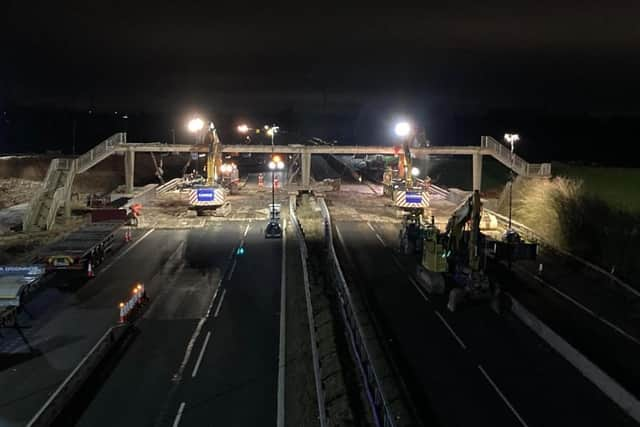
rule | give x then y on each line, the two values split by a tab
56	190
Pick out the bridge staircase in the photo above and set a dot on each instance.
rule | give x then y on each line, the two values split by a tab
503	154
56	188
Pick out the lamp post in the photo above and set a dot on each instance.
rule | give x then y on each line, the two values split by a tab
511	138
273	165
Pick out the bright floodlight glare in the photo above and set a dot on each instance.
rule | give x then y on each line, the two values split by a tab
195	125
243	128
280	165
403	129
272	165
511	137
415	171
276	158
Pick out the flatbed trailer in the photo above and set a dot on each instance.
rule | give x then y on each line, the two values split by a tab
80	250
16	283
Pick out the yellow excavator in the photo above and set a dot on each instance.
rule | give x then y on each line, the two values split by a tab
210	198
457	256
411	199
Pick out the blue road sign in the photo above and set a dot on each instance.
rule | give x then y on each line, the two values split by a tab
411	197
206	194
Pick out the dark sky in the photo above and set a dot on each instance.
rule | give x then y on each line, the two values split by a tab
164	55
334	72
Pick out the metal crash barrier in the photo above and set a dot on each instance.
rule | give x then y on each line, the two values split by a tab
76	379
378	404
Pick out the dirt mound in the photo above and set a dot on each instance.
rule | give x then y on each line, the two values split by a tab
14	191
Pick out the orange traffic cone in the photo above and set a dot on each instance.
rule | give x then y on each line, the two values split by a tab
90	273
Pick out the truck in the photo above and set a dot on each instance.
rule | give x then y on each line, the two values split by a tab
81	250
16	283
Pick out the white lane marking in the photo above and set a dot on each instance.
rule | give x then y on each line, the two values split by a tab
176	421
415	285
506	401
588	310
283	329
395	260
202	350
380	239
187	354
233	267
224	292
126	251
446	324
246	230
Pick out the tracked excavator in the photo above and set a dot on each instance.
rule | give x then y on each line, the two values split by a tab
411	199
456	259
210	197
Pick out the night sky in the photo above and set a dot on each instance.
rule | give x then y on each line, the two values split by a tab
332	72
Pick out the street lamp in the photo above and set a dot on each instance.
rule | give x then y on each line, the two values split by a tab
272	130
511	138
403	129
195	125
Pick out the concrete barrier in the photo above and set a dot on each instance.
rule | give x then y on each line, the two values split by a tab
614	391
76	379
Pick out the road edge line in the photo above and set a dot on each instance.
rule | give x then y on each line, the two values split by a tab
609	386
280	417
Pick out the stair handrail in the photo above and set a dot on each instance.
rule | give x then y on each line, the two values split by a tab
86	160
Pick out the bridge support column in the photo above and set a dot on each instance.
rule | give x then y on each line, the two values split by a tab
306	168
477	171
129	170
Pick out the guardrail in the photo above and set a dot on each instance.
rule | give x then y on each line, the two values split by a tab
380	410
322	411
74	381
530	234
169	185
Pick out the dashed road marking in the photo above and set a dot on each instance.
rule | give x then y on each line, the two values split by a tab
224	292
233	267
202	350
587	310
176	421
504	398
446	324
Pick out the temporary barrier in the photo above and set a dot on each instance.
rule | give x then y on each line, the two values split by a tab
138	297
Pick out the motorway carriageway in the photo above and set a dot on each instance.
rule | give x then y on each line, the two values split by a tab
207	348
61	324
470	367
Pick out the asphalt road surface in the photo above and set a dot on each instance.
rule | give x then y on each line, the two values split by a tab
207	348
63	321
471	367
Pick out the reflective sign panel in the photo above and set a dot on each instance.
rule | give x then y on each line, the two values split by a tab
205	194
413	197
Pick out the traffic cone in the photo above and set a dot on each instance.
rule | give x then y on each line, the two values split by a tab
276	182
90	273
122	314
